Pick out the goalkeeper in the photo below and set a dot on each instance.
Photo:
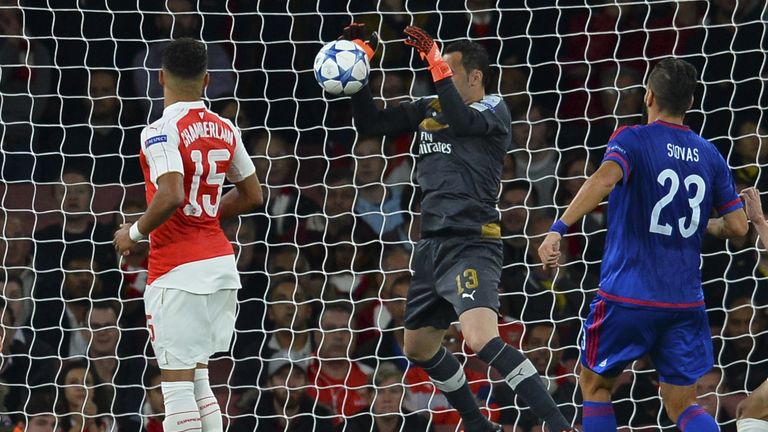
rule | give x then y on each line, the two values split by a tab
463	136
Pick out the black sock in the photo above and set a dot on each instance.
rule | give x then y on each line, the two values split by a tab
521	375
449	378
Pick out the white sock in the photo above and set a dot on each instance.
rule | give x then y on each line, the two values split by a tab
181	413
752	425
210	412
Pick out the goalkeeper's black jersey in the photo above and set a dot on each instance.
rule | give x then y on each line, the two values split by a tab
461	150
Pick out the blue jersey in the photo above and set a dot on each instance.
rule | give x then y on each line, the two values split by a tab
658	214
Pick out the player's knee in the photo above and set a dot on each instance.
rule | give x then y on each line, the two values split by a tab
675	406
594	387
476	339
417	353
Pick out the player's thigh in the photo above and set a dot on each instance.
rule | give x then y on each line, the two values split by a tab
469	272
222	311
179	326
614	335
423	307
683	352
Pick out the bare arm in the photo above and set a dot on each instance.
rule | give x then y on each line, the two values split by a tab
169	196
592	193
754	211
734	224
244	197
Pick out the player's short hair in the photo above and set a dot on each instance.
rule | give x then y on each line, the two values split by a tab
185	58
473	56
673	82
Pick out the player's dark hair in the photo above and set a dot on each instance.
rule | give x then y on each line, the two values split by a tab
185	58
673	82
473	56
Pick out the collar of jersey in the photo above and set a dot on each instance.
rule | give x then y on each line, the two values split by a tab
672	125
183	104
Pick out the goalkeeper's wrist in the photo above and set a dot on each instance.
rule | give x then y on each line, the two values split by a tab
559	227
134	232
367	48
440	71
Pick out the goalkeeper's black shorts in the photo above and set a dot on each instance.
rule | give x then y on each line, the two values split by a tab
452	275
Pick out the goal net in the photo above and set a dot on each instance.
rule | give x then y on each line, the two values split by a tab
325	263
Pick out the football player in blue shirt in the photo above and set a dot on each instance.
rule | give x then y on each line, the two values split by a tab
664	180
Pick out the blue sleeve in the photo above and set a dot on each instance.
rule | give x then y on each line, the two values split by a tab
619	150
726	199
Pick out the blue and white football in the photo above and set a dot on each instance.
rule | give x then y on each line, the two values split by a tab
341	67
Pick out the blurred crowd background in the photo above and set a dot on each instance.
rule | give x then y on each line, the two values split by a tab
325	262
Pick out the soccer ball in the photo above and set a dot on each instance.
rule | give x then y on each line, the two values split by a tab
341	67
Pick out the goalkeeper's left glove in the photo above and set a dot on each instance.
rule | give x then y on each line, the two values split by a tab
355	32
428	50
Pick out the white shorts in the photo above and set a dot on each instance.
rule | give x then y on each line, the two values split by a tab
185	328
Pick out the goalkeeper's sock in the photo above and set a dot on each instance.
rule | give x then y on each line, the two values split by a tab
447	375
752	425
210	412
522	377
599	417
695	419
181	413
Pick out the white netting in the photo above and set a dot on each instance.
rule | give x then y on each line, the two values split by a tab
78	83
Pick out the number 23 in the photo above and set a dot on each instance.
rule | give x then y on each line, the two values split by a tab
694	203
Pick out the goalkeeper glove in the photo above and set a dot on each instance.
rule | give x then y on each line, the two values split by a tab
428	50
355	32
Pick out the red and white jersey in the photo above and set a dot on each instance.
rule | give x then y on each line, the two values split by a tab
189	251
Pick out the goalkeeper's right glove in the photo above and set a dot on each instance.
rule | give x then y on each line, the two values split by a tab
355	32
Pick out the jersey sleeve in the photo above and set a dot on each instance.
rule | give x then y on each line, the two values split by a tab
160	145
242	165
726	199
415	111
620	151
493	110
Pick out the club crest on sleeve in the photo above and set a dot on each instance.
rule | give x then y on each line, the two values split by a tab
155	140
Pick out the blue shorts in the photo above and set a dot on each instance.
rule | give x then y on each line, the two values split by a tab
679	341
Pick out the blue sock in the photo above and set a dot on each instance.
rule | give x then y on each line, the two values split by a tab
695	419
599	417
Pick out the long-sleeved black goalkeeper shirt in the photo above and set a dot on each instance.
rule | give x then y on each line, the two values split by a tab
461	151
